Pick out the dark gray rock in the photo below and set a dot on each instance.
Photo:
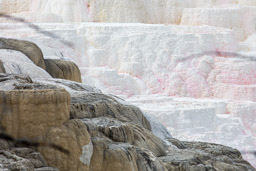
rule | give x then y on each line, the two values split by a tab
93	105
22	159
204	156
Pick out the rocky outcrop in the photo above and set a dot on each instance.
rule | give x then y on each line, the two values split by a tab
93	105
196	156
33	109
9	81
109	156
31	50
23	159
74	137
101	132
63	69
44	109
55	67
128	132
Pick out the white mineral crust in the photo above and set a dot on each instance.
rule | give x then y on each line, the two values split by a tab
192	64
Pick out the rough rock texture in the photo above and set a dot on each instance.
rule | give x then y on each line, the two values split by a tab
36	108
109	155
23	159
112	135
92	105
63	69
197	156
2	69
127	133
44	110
74	137
31	50
9	81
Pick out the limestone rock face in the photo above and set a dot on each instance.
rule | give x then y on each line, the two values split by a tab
93	105
196	156
23	159
63	69
35	109
111	156
8	81
74	137
31	50
127	133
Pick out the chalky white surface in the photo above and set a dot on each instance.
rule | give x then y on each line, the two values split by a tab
198	77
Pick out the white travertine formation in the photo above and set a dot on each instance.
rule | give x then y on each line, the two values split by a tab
206	62
240	19
17	63
142	11
43	10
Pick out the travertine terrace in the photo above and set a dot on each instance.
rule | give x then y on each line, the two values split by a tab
190	63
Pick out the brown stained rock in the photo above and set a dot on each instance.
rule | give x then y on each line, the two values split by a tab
93	105
2	69
30	113
119	146
127	133
110	156
31	50
74	137
63	69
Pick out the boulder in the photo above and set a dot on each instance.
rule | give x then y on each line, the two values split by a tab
123	146
127	133
31	50
111	156
74	137
93	105
63	69
33	107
